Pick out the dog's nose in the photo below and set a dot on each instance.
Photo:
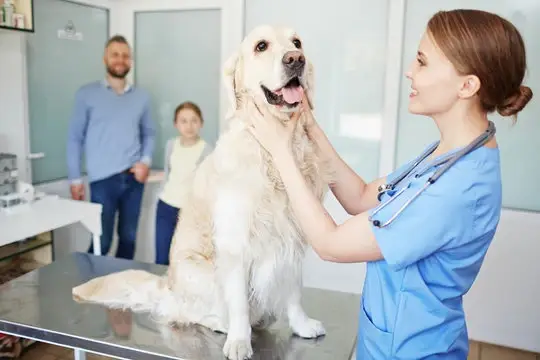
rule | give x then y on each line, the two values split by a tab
294	60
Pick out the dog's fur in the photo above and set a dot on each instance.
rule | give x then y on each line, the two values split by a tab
236	257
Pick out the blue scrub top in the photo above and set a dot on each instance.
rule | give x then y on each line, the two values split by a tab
412	300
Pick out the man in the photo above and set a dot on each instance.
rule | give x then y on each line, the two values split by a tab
111	121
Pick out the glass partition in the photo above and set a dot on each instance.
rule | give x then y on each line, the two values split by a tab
346	41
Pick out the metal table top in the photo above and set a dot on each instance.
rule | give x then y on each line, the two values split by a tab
39	305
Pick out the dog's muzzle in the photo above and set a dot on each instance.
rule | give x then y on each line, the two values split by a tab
294	63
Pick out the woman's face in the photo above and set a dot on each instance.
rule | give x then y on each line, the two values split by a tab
434	81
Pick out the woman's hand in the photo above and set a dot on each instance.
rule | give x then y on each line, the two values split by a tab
274	135
306	110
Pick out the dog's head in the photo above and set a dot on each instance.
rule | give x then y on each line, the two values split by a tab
271	68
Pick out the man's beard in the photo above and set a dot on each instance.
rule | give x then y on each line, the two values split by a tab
117	74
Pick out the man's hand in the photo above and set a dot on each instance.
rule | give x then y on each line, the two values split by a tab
77	191
140	171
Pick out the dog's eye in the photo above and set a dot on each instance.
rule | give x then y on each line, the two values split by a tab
261	46
297	43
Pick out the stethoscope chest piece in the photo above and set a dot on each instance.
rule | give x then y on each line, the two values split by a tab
383	189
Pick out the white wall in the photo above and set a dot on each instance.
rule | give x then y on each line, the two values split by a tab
502	306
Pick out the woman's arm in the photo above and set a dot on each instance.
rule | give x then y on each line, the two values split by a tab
352	192
352	241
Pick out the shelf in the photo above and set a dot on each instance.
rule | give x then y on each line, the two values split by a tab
15	249
24	12
10	28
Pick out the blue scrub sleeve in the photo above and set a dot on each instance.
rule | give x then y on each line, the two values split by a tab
434	220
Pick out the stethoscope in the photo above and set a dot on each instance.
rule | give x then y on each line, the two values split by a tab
446	161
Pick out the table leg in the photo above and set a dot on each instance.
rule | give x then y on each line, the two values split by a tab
97	244
79	354
52	245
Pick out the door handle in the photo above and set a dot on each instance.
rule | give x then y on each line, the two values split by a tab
35	156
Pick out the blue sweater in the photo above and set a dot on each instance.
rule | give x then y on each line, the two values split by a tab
115	131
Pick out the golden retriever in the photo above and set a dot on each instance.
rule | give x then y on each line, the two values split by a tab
236	256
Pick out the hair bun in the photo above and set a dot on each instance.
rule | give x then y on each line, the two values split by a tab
515	103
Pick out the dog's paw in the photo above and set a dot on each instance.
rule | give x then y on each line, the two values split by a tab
309	328
238	349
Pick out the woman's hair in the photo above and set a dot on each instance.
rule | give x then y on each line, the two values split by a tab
485	45
188	105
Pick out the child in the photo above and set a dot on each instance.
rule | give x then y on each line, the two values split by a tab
182	155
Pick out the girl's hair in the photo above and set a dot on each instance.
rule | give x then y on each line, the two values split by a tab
485	45
188	105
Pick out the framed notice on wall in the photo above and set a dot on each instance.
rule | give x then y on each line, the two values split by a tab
17	15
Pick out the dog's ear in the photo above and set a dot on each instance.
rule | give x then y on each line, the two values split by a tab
310	83
231	77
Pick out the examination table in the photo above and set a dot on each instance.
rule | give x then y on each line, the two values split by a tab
39	306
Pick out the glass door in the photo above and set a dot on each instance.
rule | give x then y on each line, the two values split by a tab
179	67
64	53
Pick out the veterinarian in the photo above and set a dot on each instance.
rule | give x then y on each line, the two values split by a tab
422	233
111	122
182	155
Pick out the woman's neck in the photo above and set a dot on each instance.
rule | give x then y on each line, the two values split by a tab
459	130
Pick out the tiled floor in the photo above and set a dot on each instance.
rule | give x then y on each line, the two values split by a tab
481	351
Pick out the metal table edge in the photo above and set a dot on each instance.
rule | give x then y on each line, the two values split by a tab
76	342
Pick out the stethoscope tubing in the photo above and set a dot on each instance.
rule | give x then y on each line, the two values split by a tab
447	163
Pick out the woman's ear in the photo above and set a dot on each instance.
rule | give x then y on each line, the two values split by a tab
470	86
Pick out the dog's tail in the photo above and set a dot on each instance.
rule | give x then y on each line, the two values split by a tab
135	290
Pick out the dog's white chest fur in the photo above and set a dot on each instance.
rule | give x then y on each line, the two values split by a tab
272	250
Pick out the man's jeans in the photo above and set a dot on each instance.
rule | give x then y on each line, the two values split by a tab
122	193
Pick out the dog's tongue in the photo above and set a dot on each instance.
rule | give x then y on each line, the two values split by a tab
292	94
